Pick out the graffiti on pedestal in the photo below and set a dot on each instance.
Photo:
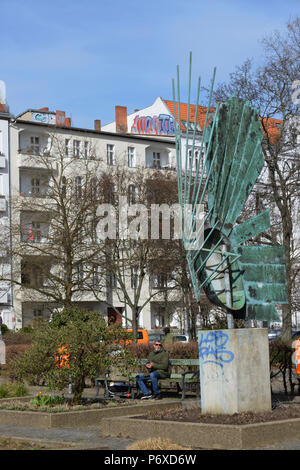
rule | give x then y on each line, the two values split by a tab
213	348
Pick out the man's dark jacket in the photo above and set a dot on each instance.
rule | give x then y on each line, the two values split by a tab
160	361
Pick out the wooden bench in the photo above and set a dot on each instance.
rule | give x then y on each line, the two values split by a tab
187	376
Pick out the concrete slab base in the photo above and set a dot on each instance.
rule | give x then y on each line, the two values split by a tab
234	370
204	436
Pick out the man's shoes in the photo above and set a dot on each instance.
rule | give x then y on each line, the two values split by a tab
146	397
157	397
138	396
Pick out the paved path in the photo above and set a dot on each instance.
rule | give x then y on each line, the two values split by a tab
86	437
89	437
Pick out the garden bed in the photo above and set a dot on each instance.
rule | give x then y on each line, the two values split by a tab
189	428
194	415
17	412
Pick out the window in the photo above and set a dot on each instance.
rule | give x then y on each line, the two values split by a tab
35	145
67	147
160	281
78	187
131	157
76	148
37	276
193	162
110	154
79	274
96	277
35	232
134	278
156	160
131	194
93	189
196	159
37	313
112	281
190	164
35	186
86	150
63	187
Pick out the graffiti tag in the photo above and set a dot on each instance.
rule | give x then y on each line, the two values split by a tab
212	348
154	125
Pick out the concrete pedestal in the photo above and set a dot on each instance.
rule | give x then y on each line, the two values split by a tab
234	370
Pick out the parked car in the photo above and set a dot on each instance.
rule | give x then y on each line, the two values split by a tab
156	337
181	338
296	334
142	336
274	334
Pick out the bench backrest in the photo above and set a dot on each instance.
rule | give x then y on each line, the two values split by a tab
177	362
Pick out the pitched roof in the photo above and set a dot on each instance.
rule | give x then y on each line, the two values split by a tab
271	128
271	125
183	109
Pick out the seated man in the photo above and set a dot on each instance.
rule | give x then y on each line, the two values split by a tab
158	367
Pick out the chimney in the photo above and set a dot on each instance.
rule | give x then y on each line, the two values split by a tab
97	125
44	109
68	122
121	119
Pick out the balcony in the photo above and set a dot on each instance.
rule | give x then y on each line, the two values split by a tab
4	297
37	195
2	160
161	167
2	204
29	159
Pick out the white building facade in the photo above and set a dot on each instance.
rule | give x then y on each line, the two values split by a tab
6	297
32	135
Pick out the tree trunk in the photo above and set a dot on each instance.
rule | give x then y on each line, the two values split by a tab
78	387
135	315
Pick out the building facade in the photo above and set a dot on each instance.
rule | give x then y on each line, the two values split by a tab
6	297
42	142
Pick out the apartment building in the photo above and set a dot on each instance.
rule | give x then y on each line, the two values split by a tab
43	144
6	299
159	120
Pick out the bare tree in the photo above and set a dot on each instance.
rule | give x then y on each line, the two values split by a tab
137	264
270	89
55	253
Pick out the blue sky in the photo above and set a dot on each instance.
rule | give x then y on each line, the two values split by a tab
85	57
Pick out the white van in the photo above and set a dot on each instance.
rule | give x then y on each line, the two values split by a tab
181	338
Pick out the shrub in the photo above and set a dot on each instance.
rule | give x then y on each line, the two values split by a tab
13	390
179	350
281	363
17	337
87	340
176	350
140	350
4	329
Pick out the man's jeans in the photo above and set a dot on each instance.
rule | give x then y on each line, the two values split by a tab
141	378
